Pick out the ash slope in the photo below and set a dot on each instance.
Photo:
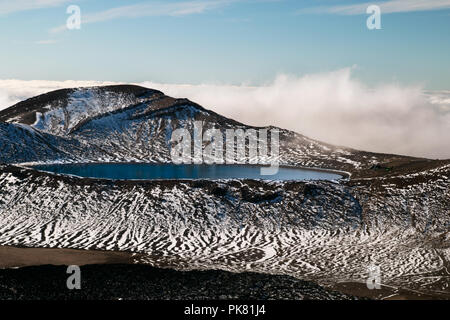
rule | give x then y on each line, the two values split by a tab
393	212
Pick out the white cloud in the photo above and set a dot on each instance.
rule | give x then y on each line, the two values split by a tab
332	107
336	108
391	6
10	6
13	91
182	8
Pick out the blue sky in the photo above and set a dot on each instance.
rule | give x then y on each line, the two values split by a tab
225	41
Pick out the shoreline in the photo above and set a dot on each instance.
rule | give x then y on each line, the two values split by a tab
345	175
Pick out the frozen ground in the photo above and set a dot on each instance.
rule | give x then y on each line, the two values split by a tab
394	211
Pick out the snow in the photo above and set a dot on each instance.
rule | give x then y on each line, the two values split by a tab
322	231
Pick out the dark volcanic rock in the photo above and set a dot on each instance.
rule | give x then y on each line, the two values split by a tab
139	282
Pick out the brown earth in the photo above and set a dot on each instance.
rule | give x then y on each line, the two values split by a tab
385	292
12	257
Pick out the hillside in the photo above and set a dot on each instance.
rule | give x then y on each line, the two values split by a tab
394	211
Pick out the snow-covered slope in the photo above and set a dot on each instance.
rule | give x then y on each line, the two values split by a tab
393	212
124	123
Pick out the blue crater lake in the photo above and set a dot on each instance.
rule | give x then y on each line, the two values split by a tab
147	171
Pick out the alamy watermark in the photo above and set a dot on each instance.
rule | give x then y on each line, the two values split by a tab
74	20
208	147
74	280
374	279
374	20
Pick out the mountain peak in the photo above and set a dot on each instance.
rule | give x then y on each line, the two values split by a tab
133	123
27	111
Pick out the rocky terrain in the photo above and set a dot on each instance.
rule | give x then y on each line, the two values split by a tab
393	211
139	282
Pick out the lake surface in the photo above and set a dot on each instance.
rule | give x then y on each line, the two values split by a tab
146	171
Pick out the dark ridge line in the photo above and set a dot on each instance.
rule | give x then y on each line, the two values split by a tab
27	109
154	109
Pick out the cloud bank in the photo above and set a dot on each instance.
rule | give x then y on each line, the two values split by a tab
332	107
